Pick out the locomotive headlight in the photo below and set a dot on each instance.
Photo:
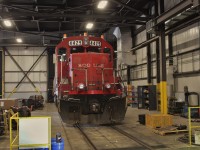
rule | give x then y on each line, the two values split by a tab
81	86
107	85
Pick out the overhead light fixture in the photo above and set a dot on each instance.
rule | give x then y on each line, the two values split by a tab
7	23
19	40
102	4
89	25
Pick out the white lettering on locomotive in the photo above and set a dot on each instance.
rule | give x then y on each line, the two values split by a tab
89	65
98	65
95	43
75	43
84	65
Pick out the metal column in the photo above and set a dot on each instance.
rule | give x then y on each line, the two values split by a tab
51	73
149	68
158	74
128	74
170	49
163	83
1	73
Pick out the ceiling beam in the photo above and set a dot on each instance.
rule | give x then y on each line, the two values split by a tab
32	33
31	4
133	23
18	8
70	15
128	7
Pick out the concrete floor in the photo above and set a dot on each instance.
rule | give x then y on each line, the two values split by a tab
104	137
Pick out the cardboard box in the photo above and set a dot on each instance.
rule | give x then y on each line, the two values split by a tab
158	120
7	103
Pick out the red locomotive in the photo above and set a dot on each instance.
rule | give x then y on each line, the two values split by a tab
86	87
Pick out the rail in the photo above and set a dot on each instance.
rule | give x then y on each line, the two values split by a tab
77	125
145	145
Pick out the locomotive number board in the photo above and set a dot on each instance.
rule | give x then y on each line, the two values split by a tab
80	43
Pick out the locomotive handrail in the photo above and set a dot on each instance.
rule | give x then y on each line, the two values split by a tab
121	78
86	80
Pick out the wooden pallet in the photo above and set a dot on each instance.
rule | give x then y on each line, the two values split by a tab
167	132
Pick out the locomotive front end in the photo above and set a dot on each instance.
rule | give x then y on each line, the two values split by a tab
93	93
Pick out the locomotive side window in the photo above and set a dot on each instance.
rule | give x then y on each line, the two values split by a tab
93	49
107	50
62	54
78	49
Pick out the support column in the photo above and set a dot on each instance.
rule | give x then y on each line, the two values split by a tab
157	63
170	78
163	83
158	75
51	73
170	50
1	73
149	68
128	75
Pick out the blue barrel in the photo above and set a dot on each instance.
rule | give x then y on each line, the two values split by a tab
57	146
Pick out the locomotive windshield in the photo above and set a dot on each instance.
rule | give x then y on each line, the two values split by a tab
78	49
93	49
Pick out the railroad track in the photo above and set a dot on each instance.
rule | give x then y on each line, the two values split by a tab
143	144
77	125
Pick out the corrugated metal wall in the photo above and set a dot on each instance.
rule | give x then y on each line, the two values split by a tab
184	40
25	57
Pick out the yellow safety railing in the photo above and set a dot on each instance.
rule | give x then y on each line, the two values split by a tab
14	135
15	139
190	124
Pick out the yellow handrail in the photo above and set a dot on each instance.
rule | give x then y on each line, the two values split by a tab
190	124
14	140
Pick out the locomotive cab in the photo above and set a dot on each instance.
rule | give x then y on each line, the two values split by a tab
88	89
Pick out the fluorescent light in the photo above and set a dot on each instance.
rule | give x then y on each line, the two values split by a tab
19	40
102	4
89	25
7	23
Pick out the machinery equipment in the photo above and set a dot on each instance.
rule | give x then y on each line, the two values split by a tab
175	106
191	100
86	86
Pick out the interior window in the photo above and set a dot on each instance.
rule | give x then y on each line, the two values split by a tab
93	49
62	54
78	49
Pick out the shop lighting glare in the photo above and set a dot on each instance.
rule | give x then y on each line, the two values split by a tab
102	4
19	40
89	26
7	23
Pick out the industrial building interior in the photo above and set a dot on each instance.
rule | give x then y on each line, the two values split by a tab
137	75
